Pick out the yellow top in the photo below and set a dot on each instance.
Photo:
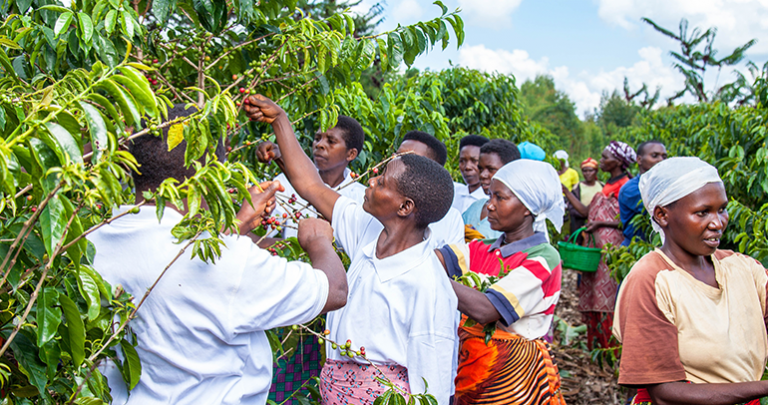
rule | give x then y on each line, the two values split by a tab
570	178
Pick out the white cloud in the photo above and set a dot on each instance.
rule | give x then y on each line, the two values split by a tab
583	88
488	13
737	21
406	10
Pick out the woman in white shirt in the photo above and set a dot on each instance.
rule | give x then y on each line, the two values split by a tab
401	307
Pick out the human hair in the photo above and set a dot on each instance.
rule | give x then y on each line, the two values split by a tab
504	149
429	185
352	132
640	148
156	162
438	150
472	140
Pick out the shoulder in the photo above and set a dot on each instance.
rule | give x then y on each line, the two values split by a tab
736	260
647	269
547	252
630	189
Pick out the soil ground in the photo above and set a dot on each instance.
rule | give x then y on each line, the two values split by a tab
583	381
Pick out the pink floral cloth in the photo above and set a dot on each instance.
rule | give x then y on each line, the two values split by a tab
350	383
597	291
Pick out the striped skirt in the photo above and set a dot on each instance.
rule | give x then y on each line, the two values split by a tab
509	370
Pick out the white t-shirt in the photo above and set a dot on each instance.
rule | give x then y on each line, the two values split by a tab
402	309
355	191
200	332
462	198
450	229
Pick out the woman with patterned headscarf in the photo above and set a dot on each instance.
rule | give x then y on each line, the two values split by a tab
597	291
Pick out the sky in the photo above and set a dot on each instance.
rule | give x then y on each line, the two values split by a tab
587	46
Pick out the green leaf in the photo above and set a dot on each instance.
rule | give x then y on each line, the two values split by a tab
86	26
52	222
110	21
162	9
62	23
127	22
25	352
48	316
98	129
144	99
88	401
131	365
55	8
90	290
76	329
126	102
65	143
10	44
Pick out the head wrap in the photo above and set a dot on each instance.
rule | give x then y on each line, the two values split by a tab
537	185
562	156
623	152
589	162
531	151
673	179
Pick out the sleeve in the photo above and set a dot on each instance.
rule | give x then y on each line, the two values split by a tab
649	340
274	292
761	284
456	259
349	223
521	289
430	358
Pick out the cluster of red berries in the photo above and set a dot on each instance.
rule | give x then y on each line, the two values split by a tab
293	199
150	77
271	222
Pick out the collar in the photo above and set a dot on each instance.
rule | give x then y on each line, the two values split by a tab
517	246
617	178
478	193
399	263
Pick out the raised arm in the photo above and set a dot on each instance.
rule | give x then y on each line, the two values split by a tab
298	167
575	202
472	303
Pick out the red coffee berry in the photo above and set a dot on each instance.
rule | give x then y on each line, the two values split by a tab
242	90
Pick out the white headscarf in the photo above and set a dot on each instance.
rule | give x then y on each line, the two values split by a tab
537	185
673	179
562	155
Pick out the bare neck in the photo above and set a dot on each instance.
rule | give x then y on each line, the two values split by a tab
397	237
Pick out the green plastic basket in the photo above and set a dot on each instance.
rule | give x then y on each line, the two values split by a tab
577	257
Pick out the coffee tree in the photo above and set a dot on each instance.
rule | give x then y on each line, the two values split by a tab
78	81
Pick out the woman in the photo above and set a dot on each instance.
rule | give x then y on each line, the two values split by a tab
568	176
597	291
493	156
691	317
515	366
584	192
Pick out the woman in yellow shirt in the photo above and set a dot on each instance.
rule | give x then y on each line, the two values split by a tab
568	176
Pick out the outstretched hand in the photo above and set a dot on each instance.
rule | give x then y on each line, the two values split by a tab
263	205
268	151
262	109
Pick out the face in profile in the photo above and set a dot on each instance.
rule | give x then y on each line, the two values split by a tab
382	197
505	211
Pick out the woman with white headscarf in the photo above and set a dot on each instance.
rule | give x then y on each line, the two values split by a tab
597	290
692	317
568	176
515	366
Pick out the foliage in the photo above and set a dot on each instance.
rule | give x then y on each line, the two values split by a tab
696	56
77	83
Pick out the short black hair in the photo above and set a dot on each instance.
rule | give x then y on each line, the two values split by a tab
504	149
352	132
156	163
429	185
472	140
642	146
438	150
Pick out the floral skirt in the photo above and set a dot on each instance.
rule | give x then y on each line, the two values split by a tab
350	383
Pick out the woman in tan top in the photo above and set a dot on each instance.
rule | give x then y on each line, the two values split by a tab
691	317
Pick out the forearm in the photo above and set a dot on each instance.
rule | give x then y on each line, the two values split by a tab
475	304
300	170
680	393
576	203
325	259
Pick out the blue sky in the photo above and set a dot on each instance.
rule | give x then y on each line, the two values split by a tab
588	46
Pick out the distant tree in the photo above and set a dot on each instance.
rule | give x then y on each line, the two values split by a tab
553	110
693	61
